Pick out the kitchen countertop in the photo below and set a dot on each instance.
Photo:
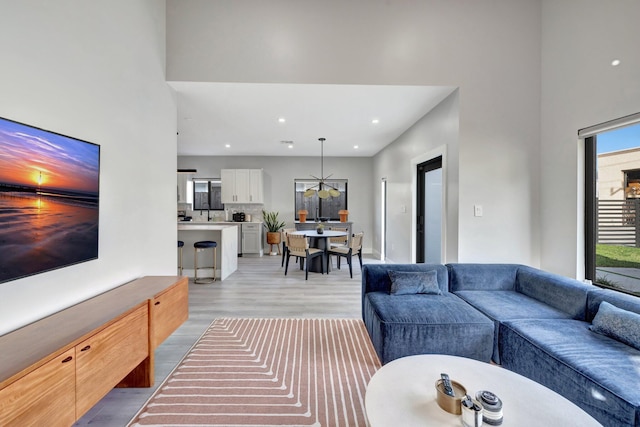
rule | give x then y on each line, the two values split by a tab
322	222
218	222
188	225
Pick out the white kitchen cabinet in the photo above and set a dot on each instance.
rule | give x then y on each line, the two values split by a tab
185	188
252	238
242	186
256	187
228	191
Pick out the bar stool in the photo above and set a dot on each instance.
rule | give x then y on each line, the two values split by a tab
200	246
180	246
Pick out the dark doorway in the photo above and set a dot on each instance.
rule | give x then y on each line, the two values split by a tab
429	212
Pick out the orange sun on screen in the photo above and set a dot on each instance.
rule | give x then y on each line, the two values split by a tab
38	177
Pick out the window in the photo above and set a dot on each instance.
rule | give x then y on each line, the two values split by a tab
328	208
612	204
207	194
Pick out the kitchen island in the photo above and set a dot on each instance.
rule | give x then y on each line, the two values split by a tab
227	251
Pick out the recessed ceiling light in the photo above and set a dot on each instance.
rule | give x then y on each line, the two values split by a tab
375	121
281	120
356	147
227	145
290	145
615	62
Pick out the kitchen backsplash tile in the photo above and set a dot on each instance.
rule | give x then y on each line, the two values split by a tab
255	210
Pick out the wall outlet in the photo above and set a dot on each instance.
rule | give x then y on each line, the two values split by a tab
477	210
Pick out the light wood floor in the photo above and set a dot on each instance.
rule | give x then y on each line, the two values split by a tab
257	289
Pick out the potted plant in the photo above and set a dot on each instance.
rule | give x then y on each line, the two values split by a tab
273	225
320	228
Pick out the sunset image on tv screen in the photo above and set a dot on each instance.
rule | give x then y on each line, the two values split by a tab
49	200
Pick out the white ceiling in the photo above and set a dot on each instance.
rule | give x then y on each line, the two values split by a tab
245	116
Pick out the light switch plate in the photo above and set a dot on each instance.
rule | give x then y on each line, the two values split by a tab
477	210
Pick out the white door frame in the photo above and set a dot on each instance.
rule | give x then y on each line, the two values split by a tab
429	155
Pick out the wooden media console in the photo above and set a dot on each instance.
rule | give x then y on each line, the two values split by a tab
54	370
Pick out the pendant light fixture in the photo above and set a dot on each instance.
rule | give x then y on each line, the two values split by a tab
322	189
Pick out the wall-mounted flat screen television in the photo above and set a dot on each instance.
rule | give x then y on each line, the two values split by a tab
49	200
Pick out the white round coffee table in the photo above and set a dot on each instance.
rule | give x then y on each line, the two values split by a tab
402	393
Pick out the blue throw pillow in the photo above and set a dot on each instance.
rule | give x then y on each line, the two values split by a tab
414	282
616	323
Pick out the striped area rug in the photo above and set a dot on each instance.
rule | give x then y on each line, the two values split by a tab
268	372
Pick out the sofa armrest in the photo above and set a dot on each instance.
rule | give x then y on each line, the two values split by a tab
621	300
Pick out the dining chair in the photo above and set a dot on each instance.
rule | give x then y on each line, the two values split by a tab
285	232
335	242
298	246
354	248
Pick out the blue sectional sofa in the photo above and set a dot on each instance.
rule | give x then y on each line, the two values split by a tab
532	322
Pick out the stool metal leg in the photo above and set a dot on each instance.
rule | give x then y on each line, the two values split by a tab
215	252
195	265
196	268
180	261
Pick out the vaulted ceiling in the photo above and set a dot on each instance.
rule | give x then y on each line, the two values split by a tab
254	119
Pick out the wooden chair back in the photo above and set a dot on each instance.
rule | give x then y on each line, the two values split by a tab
297	244
356	242
341	240
285	233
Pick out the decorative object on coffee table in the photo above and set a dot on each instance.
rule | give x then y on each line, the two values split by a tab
450	403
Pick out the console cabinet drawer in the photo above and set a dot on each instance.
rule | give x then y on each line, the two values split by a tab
109	355
45	396
169	310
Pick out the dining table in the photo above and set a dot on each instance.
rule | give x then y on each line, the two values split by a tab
319	241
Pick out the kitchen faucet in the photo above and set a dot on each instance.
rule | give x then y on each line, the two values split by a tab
208	214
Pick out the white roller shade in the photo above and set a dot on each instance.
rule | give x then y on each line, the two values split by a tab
610	125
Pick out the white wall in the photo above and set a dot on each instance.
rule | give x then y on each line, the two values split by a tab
489	49
436	134
580	88
95	71
279	173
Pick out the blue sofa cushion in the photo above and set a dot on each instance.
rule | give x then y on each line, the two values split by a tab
482	277
563	293
420	324
619	324
414	282
508	305
597	373
375	277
